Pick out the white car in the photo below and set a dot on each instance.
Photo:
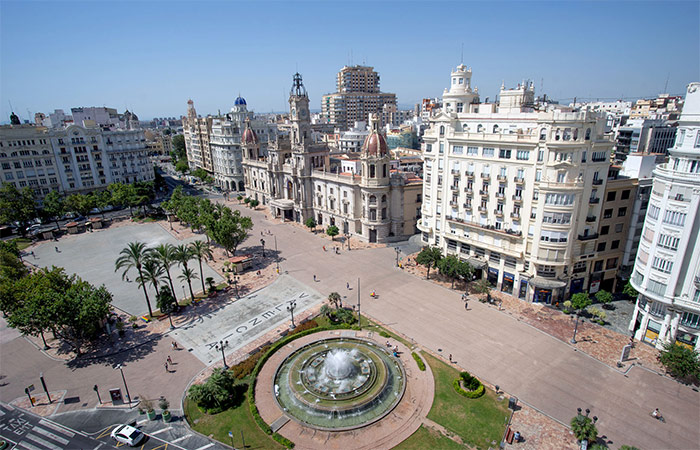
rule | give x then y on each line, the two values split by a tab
128	435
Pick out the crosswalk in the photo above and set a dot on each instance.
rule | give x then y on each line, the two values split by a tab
27	431
46	436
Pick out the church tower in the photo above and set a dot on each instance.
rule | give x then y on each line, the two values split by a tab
299	113
375	184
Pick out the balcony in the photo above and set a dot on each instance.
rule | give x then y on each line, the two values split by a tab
515	216
517	198
519	180
468	206
454	203
594	200
498	212
455	172
483	209
597	182
484	193
500	195
590	219
587	237
470	175
485	177
469	191
502	178
455	187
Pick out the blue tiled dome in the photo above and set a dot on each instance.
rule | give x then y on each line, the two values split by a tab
240	101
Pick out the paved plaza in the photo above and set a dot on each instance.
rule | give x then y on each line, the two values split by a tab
92	257
244	320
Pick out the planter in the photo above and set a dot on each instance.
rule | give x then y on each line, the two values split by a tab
151	415
166	416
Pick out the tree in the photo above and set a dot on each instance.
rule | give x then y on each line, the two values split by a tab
164	254
179	149
483	286
465	271
448	266
54	206
218	393
254	203
429	257
584	428
629	291
230	230
11	267
604	297
200	173
120	193
17	206
82	204
310	224
181	166
200	251
152	272
680	361
580	301
188	275
133	256
332	231
335	299
166	302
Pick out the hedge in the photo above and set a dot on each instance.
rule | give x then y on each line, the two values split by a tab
476	388
251	387
419	361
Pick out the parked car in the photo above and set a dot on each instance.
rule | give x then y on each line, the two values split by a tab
33	227
79	219
108	208
126	434
95	211
69	215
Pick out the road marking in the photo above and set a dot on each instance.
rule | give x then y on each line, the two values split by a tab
105	432
54	427
2	413
141	422
160	431
206	446
49	434
101	444
45	443
181	438
28	446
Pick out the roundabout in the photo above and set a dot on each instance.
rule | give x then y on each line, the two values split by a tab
343	389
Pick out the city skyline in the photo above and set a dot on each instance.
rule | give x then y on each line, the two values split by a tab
152	57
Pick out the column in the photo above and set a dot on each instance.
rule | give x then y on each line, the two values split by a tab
665	328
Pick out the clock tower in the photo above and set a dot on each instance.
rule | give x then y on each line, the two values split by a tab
299	112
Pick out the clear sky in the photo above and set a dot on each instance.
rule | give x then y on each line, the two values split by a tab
151	56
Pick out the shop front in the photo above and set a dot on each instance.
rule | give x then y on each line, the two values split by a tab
546	290
478	266
492	276
651	335
522	293
507	283
687	340
576	286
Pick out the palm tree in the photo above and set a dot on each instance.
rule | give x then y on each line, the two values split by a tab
134	255
152	272
182	254
165	255
188	275
201	250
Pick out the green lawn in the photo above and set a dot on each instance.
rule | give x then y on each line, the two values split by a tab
22	243
235	419
427	438
477	421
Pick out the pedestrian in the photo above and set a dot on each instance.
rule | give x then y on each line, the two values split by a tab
347	285
166	367
516	436
33	255
450	357
258	273
170	360
388	344
127	279
314	277
56	249
466	305
174	345
324	248
261	233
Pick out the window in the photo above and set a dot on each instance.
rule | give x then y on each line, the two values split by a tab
598	266
504	154
601	247
690	320
442	148
559	199
588	134
614	245
653	211
495	257
561	177
618	227
460	106
442	130
428	147
540	156
465	249
611	264
611	196
696	296
457	149
583	156
657	309
674	218
522	155
661	264
622	212
479	252
669	242
554	236
538	175
556	218
625	194
488	152
607	213
543	134
604	230
472	151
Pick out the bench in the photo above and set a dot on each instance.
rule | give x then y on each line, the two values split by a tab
509	435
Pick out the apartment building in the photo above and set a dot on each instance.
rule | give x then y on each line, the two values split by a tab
667	268
357	96
515	188
197	131
644	136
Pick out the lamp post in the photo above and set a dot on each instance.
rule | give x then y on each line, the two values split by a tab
347	238
398	252
277	259
573	339
126	388
235	284
262	242
290	308
184	294
221	346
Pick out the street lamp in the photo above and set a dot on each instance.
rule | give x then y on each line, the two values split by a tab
398	252
184	294
277	256
126	388
262	242
290	308
347	238
221	346
573	339
235	284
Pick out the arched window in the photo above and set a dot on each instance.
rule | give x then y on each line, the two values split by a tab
383	198
442	130
588	134
479	128
543	134
575	134
372	171
465	127
495	128
372	214
557	136
567	134
384	170
372	199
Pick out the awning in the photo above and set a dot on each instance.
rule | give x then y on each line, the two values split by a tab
476	263
547	283
282	203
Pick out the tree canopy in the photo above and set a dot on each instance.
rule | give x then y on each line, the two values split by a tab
17	205
680	361
332	231
429	257
580	301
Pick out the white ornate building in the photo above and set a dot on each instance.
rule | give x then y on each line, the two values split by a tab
514	188
294	180
667	269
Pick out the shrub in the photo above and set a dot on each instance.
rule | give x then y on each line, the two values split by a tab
419	361
218	393
308	325
163	404
283	440
145	403
567	307
384	334
245	367
475	387
680	361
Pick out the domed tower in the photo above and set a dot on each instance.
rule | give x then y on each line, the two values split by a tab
460	94
239	105
249	143
375	184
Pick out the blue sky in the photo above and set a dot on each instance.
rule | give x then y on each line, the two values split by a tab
151	56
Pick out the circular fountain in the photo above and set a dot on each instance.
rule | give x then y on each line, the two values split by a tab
339	383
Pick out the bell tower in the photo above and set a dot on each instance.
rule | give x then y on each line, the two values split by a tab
299	113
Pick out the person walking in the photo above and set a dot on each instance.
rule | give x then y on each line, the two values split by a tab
56	249
450	357
170	360
314	277
166	367
33	255
347	285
